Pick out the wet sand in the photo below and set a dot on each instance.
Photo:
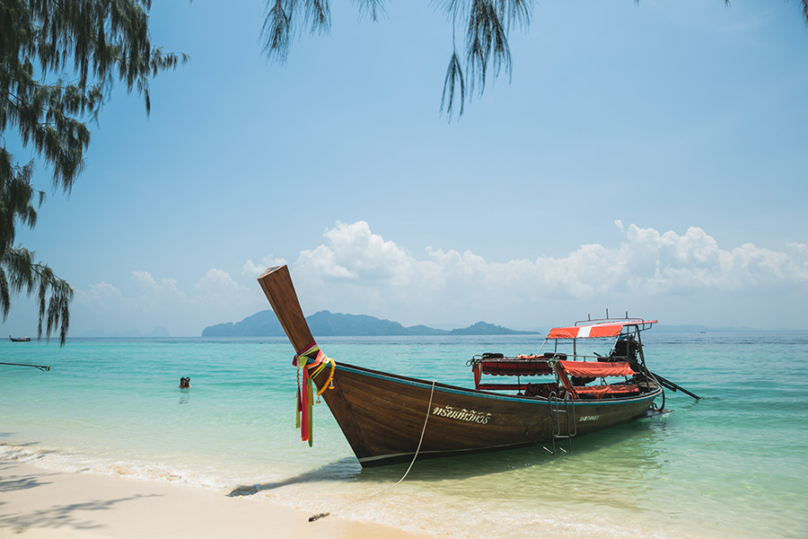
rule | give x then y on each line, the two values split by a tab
37	503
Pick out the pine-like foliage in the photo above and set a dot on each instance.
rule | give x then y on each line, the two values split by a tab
485	24
58	61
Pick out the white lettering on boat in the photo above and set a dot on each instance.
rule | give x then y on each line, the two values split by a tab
462	414
589	418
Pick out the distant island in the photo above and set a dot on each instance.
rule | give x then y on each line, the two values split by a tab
327	324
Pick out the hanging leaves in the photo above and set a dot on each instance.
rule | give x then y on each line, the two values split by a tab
58	60
487	25
454	78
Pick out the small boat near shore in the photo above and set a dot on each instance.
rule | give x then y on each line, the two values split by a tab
19	339
388	418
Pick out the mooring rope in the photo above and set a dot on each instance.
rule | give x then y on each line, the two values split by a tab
423	430
414	457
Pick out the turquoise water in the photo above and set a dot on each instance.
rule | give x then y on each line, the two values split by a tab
732	465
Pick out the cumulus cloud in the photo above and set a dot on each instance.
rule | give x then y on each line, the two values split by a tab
358	271
269	261
647	262
218	286
215	297
101	295
217	281
799	248
147	285
356	254
694	262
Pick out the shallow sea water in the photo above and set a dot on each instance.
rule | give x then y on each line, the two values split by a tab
731	465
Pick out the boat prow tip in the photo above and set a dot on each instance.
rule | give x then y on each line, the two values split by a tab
270	271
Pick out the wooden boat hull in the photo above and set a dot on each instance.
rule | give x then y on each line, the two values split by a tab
382	415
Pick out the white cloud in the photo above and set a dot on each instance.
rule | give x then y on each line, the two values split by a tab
800	248
646	263
215	297
217	286
154	297
217	280
694	262
357	271
145	281
148	286
149	295
356	254
100	295
269	261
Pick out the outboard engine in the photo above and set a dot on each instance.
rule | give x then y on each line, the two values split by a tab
625	349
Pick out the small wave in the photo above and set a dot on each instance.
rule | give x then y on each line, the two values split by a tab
73	462
20	453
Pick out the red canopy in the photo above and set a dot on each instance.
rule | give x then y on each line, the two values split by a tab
609	329
596	369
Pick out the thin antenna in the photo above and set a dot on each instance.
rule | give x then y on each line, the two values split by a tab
607	313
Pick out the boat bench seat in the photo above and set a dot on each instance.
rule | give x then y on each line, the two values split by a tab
616	390
502	387
531	390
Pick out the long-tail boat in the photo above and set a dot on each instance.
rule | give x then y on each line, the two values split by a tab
388	418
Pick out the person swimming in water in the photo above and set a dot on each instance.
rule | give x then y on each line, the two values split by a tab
185	383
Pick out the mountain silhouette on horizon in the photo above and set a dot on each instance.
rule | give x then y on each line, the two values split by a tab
328	324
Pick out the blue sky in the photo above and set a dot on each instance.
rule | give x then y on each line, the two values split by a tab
649	158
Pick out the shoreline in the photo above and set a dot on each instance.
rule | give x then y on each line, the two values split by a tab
38	503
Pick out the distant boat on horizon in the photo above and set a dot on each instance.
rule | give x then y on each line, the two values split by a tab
19	339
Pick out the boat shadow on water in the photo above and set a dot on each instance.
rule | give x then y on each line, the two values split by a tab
631	448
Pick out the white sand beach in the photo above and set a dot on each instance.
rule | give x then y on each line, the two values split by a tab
37	503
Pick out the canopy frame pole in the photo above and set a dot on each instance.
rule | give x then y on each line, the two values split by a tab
641	353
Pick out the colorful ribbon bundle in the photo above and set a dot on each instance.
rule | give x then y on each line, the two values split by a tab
311	361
